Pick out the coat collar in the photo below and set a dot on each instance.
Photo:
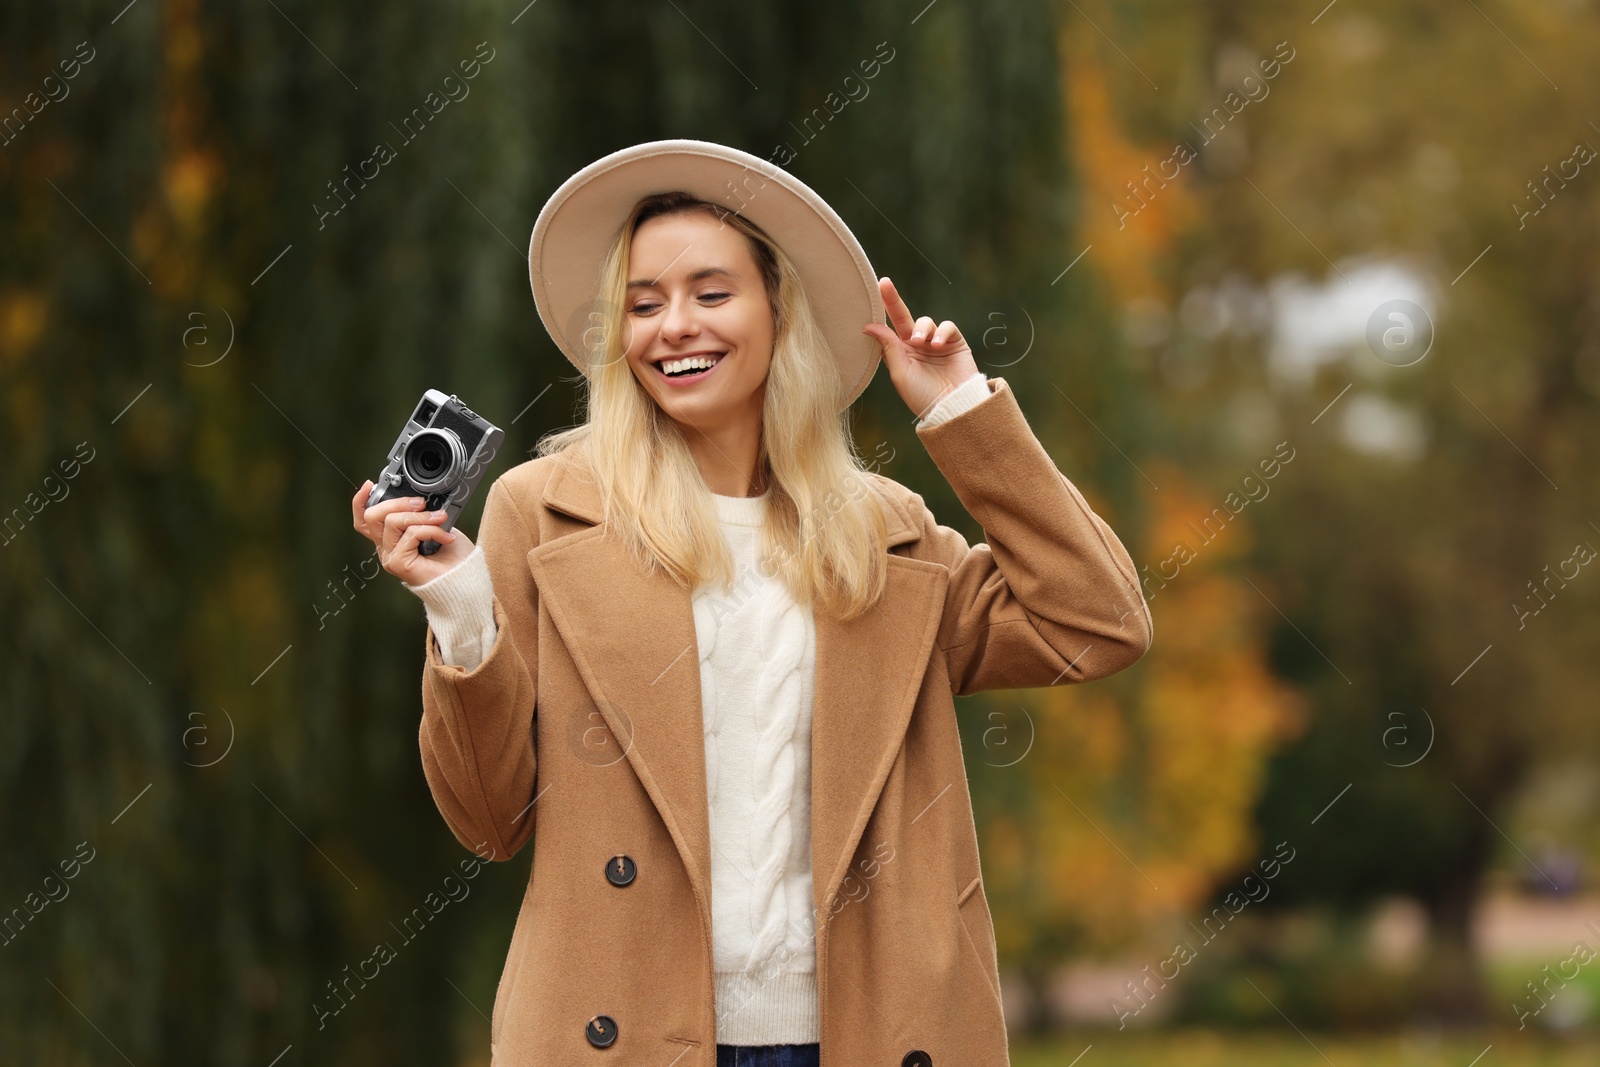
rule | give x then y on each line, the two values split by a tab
632	637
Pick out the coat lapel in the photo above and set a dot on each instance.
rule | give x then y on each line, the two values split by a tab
632	636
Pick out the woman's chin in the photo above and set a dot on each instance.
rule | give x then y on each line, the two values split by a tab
702	412
691	412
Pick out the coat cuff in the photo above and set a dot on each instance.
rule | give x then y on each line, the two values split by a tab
460	608
967	395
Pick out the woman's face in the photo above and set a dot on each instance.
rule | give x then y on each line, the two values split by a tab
694	289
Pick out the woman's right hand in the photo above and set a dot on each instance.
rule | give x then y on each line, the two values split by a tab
398	529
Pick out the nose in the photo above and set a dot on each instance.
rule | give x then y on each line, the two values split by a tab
678	320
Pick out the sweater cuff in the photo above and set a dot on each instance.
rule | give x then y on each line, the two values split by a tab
967	395
460	608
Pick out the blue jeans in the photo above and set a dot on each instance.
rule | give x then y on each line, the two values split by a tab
769	1055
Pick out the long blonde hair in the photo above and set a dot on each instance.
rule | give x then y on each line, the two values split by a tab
824	535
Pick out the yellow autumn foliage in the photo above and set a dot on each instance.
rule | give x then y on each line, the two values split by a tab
1142	787
1126	250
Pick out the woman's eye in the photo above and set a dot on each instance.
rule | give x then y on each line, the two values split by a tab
646	307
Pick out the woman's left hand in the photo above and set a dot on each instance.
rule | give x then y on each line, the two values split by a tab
925	361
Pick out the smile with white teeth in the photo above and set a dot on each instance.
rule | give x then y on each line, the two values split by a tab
689	364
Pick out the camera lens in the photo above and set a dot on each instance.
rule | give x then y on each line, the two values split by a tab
432	459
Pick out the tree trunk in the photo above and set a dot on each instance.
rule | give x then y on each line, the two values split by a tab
1454	993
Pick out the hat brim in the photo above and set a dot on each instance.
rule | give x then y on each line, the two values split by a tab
582	218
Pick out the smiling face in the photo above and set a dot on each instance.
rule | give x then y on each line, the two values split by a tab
697	305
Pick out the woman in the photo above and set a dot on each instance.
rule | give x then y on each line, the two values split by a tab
754	862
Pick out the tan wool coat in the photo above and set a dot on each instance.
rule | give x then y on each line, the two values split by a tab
581	731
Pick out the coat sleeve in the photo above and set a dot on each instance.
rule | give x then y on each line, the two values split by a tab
1051	597
477	724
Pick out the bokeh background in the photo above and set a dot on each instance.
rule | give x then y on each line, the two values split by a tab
1303	296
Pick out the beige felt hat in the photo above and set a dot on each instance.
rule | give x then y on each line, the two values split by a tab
582	218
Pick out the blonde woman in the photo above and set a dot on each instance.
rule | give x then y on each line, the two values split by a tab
703	656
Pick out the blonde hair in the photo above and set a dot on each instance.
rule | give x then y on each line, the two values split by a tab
824	535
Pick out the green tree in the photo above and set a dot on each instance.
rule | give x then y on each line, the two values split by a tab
1403	134
193	195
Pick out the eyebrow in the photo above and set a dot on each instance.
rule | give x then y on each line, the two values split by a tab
703	272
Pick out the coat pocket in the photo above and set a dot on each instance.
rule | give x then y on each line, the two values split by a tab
973	909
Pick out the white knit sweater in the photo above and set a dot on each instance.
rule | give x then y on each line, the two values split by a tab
757	665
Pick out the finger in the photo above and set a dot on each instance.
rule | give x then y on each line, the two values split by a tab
382	510
395	525
923	328
368	520
889	343
899	314
400	561
410	547
885	336
358	503
378	514
416	534
947	333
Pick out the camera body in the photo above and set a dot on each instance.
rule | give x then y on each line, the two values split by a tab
442	453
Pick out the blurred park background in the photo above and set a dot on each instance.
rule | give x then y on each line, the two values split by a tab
1304	296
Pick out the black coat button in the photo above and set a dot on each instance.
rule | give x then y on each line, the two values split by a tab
917	1058
601	1031
620	870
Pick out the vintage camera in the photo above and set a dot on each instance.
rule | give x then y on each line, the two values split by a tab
440	455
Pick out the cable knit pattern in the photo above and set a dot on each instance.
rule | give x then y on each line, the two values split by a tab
757	669
785	631
757	666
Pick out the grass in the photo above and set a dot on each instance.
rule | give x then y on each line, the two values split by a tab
1572	1001
1210	1048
